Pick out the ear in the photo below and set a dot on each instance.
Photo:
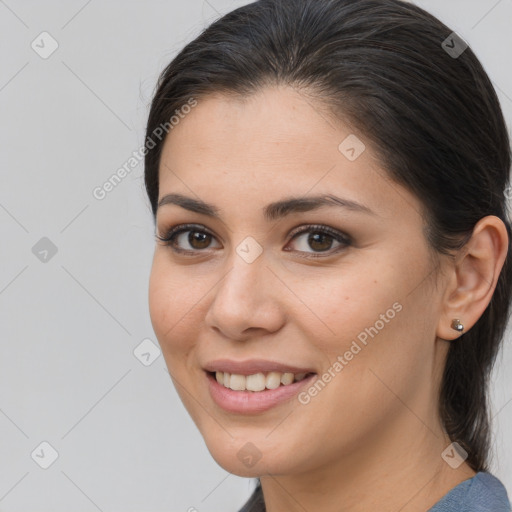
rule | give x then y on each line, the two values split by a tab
472	278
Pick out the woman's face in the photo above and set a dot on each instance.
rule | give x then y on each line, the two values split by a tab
354	308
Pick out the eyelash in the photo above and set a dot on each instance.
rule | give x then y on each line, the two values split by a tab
171	235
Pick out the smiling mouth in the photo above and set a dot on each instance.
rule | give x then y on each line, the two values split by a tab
258	381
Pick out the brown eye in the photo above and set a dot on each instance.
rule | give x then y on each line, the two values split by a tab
201	239
190	238
320	239
187	238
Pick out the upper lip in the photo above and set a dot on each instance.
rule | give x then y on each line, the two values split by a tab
252	366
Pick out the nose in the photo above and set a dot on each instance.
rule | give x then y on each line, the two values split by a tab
246	300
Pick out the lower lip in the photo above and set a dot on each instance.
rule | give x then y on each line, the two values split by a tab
246	402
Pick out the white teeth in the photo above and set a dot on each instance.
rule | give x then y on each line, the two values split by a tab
287	378
257	381
237	382
273	380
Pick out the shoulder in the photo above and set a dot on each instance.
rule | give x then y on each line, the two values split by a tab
482	493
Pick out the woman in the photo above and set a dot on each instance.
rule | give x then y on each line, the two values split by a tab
331	279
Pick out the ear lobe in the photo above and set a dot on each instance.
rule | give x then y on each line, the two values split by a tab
473	277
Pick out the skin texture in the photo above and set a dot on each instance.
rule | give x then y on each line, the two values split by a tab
371	438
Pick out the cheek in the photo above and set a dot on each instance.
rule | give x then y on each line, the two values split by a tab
351	303
173	302
383	350
374	318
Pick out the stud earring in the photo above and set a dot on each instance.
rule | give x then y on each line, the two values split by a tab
457	325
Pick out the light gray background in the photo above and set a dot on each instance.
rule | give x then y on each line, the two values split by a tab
70	325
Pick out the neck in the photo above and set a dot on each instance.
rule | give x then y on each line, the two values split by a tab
400	469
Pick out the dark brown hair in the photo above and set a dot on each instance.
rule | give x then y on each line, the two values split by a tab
433	118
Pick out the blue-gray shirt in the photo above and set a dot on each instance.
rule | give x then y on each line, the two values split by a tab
482	493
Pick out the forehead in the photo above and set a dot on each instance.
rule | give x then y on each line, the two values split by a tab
273	118
274	141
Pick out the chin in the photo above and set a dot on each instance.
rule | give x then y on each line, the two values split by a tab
231	462
248	458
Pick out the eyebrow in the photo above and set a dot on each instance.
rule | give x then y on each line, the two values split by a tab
272	211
